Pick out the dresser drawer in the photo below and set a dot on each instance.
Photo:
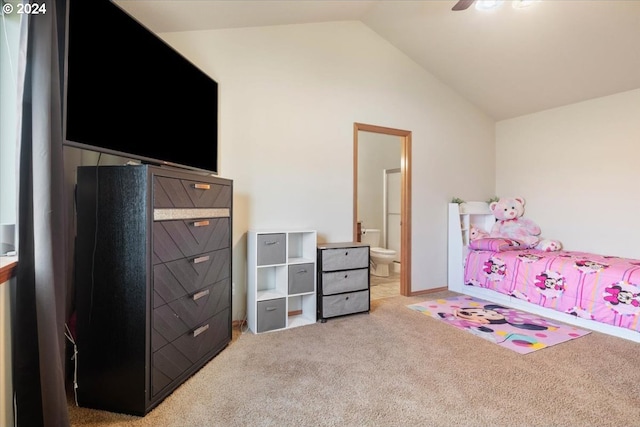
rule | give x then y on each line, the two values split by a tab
186	276
183	193
271	248
345	281
271	314
184	238
181	355
346	258
301	278
341	304
178	317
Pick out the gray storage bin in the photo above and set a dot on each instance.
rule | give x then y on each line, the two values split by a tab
341	304
301	278
344	259
271	314
345	281
271	248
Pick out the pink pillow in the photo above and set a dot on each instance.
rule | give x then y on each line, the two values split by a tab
497	244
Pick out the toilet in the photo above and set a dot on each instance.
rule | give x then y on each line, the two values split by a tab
380	257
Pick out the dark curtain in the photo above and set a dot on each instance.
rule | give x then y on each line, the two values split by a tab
39	293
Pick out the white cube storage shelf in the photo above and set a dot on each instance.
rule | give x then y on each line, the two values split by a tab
281	290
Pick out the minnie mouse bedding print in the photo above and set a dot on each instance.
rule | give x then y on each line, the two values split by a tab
605	289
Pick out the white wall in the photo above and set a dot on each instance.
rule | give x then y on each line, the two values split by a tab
289	96
577	168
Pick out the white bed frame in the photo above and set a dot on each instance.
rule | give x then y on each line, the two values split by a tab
461	218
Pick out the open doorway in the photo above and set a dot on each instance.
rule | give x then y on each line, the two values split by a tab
360	133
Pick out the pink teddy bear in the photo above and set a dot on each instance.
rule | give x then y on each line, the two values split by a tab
510	223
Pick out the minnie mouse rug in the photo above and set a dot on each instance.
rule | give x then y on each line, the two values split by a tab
514	329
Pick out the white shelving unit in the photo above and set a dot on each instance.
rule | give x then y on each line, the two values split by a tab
281	290
461	218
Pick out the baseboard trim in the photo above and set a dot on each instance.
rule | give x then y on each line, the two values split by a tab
428	291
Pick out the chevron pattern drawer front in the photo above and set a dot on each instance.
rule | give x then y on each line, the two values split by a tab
153	293
187	313
189	193
191	259
175	279
179	239
176	358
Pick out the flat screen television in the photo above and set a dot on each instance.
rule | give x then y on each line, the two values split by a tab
130	94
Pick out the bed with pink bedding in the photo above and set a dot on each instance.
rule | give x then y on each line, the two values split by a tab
604	289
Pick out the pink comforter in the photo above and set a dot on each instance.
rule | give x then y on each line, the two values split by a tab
601	288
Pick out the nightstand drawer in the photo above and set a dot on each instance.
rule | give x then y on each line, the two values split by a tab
341	304
301	278
271	314
271	248
344	259
345	281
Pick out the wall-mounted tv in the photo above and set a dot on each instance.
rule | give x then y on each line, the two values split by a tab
130	94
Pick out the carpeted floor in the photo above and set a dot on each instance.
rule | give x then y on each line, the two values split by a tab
397	367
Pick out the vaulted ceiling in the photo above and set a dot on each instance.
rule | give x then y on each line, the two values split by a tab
508	62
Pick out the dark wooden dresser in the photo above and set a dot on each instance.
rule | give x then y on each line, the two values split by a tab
153	281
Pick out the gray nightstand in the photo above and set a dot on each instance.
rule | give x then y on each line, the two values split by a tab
343	279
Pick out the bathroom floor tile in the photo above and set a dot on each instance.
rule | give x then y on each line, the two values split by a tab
385	287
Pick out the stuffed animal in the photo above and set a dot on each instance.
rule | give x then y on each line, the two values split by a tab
477	233
510	223
548	245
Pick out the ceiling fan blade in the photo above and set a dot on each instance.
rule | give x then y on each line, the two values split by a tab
463	4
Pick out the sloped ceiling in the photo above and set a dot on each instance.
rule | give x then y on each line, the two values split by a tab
508	62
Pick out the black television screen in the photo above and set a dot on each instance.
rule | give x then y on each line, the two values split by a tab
130	94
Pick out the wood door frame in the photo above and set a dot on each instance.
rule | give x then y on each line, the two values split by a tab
405	196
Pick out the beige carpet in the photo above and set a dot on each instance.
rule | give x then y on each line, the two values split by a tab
398	367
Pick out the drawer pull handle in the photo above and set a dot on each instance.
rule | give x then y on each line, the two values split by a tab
271	242
201	223
200	294
201	259
272	308
346	275
304	270
346	253
346	298
202	186
200	330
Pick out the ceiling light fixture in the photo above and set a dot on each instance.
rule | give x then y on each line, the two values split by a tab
491	4
487	4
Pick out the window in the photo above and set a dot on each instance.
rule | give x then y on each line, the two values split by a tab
9	39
